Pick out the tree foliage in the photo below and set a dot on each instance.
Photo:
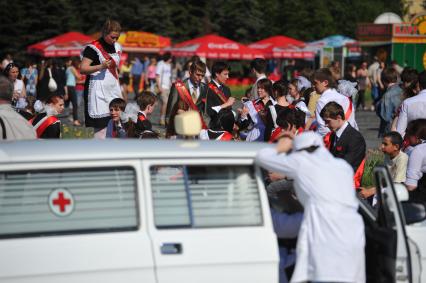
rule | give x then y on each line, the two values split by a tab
26	22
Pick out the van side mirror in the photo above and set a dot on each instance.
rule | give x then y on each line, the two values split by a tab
414	212
188	123
401	192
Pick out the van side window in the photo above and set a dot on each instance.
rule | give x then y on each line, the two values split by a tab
67	201
205	196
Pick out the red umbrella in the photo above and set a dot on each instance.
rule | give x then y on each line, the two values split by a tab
282	47
67	44
215	47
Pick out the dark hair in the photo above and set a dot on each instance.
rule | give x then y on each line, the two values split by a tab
289	117
225	121
389	75
295	82
118	103
422	80
218	67
324	74
259	65
417	128
280	88
6	89
54	98
167	56
266	84
147	134
8	68
145	98
198	65
110	26
247	92
395	137
410	79
30	103
332	110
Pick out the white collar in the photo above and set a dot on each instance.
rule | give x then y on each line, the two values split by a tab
262	76
340	131
216	83
192	86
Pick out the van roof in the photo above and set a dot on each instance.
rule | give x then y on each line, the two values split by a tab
74	150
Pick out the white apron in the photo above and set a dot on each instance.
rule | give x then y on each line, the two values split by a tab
103	86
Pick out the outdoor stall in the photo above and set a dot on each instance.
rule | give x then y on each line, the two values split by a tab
65	45
403	42
214	47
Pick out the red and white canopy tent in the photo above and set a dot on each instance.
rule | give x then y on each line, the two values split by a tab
280	46
65	45
214	47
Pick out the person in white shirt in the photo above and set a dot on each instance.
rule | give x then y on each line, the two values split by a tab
164	82
258	68
331	240
325	85
413	108
12	125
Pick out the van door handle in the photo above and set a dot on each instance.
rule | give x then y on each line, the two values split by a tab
171	248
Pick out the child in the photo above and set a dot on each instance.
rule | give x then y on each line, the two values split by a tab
223	127
395	159
146	101
115	128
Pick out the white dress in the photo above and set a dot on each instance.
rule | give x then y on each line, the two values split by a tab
103	86
331	240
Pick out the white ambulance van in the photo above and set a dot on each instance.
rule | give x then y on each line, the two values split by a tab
167	211
134	211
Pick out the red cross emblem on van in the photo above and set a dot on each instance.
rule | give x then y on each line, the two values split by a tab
61	202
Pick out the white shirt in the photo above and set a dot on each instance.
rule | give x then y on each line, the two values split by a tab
331	240
397	167
416	165
412	108
164	70
332	95
340	131
193	88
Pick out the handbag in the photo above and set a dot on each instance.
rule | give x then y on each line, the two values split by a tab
53	86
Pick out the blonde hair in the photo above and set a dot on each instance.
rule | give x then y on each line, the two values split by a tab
110	26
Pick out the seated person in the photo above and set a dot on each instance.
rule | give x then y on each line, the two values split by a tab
146	102
222	128
290	121
395	159
115	128
46	124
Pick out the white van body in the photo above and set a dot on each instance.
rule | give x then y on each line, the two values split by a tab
134	211
164	211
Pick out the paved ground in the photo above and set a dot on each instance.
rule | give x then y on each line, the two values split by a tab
368	124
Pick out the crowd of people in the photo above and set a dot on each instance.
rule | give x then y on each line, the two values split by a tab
320	101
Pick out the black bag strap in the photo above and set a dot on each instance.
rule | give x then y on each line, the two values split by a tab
3	127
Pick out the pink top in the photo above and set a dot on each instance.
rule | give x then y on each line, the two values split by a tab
151	71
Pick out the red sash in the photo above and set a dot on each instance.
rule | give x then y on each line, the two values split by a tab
141	117
258	106
186	97
275	134
358	174
218	92
43	126
349	111
226	136
113	67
